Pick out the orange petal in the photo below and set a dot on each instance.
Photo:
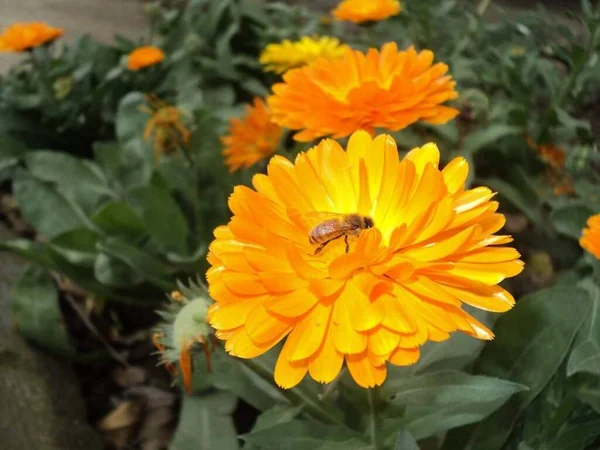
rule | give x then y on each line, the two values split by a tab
455	174
263	327
363	372
405	356
382	341
308	333
288	374
327	362
292	304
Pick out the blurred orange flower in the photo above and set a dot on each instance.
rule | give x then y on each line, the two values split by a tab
20	37
590	240
144	57
251	138
555	157
357	257
359	11
390	89
166	125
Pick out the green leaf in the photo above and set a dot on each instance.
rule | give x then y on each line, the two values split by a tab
570	220
486	136
143	263
277	415
162	217
119	220
36	312
405	441
590	397
440	401
81	181
77	246
232	375
585	356
576	437
205	423
304	434
50	212
531	342
131	120
126	166
115	273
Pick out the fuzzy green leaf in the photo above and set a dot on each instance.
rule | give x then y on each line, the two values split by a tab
303	434
575	437
119	220
440	401
571	219
49	211
36	312
405	441
162	217
585	356
531	342
81	181
205	423
486	136
146	265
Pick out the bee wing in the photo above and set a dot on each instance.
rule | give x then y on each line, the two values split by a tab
314	218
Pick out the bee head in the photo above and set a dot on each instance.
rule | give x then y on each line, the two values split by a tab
369	222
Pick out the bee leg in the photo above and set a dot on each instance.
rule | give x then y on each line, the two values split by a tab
347	245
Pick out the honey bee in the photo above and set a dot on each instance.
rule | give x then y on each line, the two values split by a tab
335	226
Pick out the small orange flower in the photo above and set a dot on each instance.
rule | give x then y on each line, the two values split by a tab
359	11
390	89
356	257
252	138
166	125
590	240
20	37
144	57
555	157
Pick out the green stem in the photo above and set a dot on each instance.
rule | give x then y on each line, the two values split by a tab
297	395
372	396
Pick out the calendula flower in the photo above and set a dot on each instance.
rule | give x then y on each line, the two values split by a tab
359	11
186	326
166	126
251	138
590	239
555	157
390	89
288	55
144	57
20	37
356	257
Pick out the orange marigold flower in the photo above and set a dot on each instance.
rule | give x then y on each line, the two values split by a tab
252	138
389	89
166	125
590	239
144	57
553	155
359	11
357	257
20	37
